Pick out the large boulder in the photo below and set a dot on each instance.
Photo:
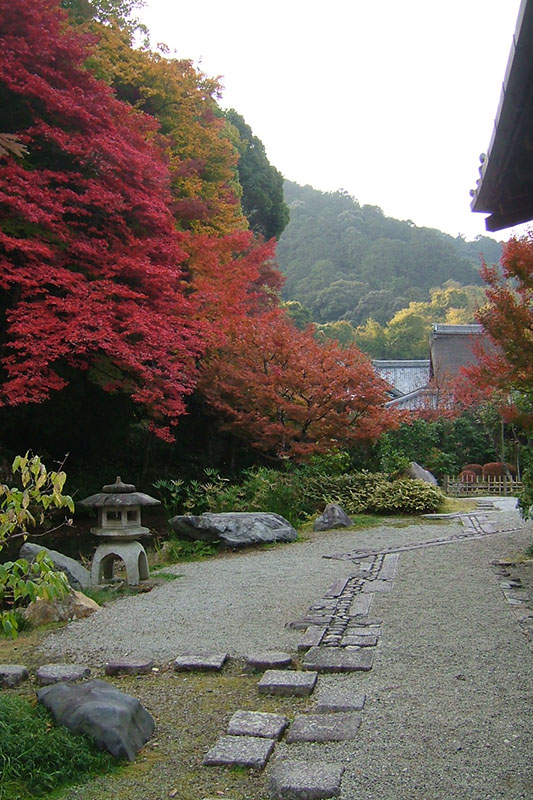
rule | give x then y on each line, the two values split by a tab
418	473
77	576
236	528
116	721
332	517
75	605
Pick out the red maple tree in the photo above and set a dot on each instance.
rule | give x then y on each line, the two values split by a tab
90	271
290	396
508	319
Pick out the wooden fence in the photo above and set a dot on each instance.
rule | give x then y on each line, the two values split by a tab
454	487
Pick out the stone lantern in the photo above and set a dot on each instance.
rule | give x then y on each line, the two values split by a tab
119	525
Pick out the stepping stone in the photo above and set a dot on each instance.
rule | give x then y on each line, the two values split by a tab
191	661
389	567
324	727
338	659
337	588
54	673
257	723
365	622
333	698
272	660
301	780
128	667
377	586
359	640
361	605
12	674
242	751
312	637
287	683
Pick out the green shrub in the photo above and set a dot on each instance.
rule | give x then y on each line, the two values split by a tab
37	757
406	496
301	492
188	549
20	508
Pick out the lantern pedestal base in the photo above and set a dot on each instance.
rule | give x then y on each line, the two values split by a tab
133	555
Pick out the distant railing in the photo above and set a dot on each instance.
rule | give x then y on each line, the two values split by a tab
455	487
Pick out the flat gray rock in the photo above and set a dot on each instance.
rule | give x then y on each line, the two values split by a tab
336	588
269	660
301	780
54	673
324	727
243	751
235	529
338	659
389	567
377	586
78	577
257	723
197	661
12	674
361	605
359	640
312	637
287	683
339	698
332	517
128	666
114	720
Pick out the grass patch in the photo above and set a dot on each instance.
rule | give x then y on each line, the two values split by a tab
36	757
192	711
456	505
360	522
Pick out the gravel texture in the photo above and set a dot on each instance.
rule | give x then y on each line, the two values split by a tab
447	714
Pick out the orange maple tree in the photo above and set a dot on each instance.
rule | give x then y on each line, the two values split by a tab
291	396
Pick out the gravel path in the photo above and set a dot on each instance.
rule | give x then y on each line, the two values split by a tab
447	715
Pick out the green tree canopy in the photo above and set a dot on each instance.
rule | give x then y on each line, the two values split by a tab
262	184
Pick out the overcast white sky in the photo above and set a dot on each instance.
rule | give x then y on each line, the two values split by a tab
392	100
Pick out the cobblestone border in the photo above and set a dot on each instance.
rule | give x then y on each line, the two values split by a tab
515	595
476	526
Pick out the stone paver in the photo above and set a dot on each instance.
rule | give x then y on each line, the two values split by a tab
337	587
129	667
335	659
359	640
243	751
312	637
257	723
377	586
53	673
197	661
335	727
12	674
287	683
269	660
389	567
338	698
300	780
361	605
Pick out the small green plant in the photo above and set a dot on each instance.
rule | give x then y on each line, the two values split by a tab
36	757
188	550
170	492
20	508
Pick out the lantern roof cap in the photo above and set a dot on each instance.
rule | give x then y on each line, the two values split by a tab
118	486
119	494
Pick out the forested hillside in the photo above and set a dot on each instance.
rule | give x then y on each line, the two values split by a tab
344	261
